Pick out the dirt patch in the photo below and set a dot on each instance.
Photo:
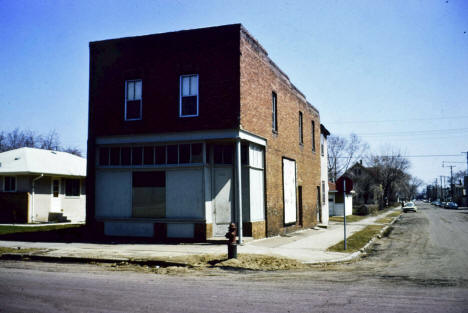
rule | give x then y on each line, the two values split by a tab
210	263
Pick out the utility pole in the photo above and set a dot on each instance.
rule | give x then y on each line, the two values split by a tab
466	173
451	179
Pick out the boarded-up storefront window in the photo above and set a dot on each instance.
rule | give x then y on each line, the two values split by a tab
149	194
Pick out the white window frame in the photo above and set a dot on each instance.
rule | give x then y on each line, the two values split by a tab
180	94
141	99
4	184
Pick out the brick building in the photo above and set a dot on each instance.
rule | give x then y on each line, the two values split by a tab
187	127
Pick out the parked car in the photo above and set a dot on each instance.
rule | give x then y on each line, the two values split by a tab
436	202
452	205
410	206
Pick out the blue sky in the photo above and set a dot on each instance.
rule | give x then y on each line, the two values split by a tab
394	72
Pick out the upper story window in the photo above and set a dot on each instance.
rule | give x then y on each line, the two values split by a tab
301	134
322	145
133	99
188	105
313	136
274	112
9	184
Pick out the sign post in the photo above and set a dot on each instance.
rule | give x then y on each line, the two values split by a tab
345	185
344	211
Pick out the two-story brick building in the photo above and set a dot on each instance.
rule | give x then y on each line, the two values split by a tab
187	127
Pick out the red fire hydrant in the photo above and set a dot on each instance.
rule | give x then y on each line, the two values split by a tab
232	242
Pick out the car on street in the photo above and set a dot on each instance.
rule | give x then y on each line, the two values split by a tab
410	206
451	205
436	202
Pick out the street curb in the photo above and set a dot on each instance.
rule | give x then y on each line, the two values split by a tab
361	251
87	260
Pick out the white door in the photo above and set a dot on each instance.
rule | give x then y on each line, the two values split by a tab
223	195
55	201
289	190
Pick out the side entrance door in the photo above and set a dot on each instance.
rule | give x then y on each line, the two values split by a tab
223	199
55	204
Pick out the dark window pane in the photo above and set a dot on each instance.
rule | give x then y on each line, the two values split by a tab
115	156
103	156
189	105
137	153
184	153
172	154
227	154
245	154
207	156
125	155
149	179
160	155
197	151
72	187
148	157
133	110
218	154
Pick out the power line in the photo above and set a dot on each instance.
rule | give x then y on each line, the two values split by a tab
414	132
410	156
400	120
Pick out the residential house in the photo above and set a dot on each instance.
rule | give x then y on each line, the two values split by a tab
39	185
324	186
338	201
367	191
192	130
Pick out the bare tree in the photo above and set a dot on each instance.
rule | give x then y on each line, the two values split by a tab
390	171
50	142
343	152
74	151
26	138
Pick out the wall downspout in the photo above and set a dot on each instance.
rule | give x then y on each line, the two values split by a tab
33	191
239	190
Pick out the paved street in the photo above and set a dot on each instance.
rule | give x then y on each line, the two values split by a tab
421	267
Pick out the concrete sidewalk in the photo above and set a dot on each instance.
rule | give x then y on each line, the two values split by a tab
307	246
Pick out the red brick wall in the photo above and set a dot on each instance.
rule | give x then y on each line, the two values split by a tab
159	60
259	78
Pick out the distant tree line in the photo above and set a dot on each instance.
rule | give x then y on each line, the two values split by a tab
18	138
379	178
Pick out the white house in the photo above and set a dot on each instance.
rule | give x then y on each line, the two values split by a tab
39	185
336	203
324	209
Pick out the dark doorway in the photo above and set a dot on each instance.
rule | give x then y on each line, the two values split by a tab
299	196
319	207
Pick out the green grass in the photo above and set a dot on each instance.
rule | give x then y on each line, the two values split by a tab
349	219
29	229
358	240
16	250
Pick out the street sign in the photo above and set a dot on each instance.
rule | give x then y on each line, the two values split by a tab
340	186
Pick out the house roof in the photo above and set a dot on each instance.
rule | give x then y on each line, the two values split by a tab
39	161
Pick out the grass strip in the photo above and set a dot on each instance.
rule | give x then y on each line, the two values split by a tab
349	219
16	250
387	219
27	229
357	240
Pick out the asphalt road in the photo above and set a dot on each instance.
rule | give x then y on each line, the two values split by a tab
421	267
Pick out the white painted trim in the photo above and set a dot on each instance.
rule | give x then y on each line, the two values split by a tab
183	136
141	100
180	95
